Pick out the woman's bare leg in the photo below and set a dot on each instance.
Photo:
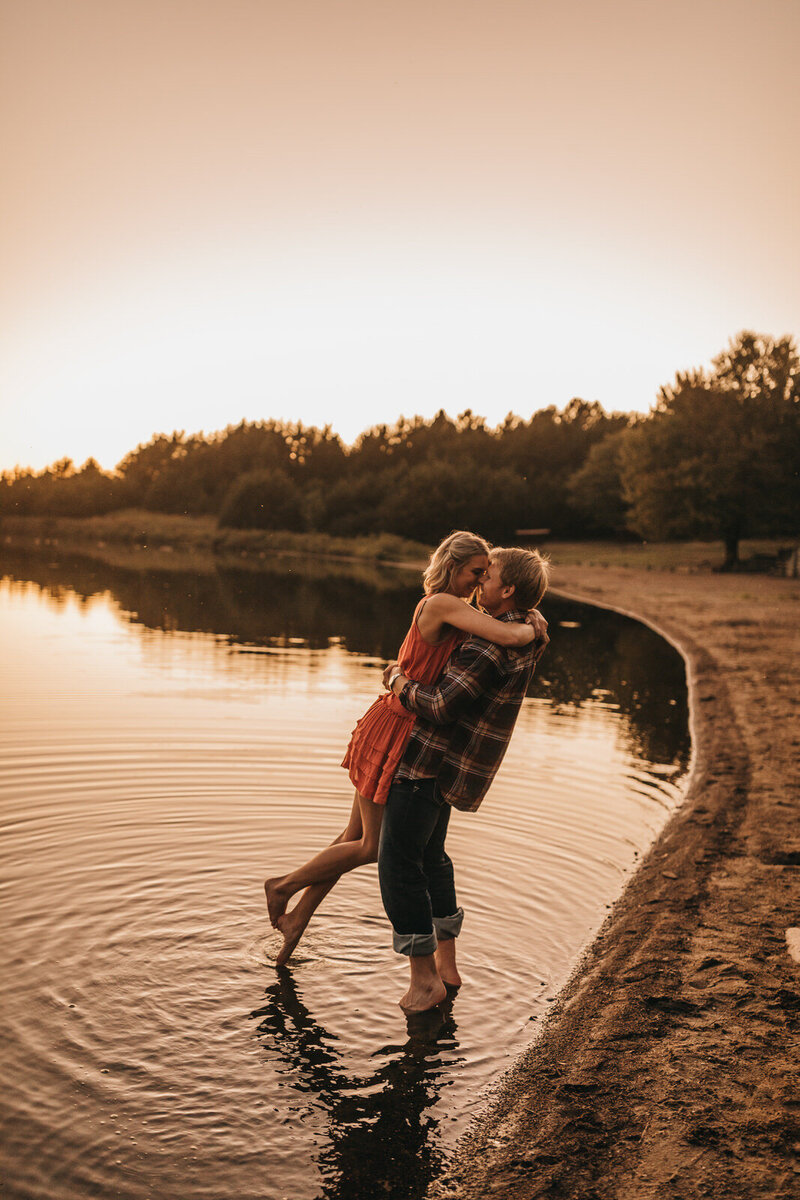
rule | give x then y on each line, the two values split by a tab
293	924
350	850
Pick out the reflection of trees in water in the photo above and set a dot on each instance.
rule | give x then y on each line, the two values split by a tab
368	608
381	1135
600	656
277	605
607	659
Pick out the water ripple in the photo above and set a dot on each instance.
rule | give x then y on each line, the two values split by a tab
152	1049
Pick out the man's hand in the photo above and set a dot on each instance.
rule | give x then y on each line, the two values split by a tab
392	669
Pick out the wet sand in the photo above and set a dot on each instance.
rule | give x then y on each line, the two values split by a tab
670	1066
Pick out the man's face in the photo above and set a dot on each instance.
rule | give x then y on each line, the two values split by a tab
491	594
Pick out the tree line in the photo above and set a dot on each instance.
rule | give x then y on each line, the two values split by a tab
718	456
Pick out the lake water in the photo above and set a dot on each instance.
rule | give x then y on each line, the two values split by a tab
168	739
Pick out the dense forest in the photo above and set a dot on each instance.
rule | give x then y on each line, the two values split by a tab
718	456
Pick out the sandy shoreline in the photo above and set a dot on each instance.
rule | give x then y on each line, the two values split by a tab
670	1065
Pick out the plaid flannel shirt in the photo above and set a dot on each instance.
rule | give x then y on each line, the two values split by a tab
465	721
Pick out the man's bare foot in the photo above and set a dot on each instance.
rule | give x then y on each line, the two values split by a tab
292	925
276	900
445	957
422	996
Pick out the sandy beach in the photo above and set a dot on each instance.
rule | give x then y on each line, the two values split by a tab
670	1065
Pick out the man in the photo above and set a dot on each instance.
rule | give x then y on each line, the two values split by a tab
463	727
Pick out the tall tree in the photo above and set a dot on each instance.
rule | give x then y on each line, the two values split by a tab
595	489
264	500
720	455
547	450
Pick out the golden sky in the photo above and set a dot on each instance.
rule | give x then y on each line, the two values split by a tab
343	210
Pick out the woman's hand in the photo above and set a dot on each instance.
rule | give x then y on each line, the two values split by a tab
392	669
539	625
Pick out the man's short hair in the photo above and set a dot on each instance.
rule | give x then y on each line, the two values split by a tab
527	570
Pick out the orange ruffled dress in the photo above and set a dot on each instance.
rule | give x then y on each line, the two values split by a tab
379	739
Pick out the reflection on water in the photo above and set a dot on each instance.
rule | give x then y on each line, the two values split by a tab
360	605
170	738
379	1124
595	655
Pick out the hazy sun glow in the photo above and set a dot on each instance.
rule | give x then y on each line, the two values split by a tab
339	214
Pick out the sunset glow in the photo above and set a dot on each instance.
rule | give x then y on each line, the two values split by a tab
341	213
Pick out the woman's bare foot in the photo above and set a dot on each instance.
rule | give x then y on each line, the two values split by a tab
292	925
276	900
420	997
445	957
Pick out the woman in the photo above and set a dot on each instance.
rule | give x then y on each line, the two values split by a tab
441	620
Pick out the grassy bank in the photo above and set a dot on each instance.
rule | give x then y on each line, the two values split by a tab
143	533
139	530
680	557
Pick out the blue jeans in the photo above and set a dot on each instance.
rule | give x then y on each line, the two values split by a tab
415	872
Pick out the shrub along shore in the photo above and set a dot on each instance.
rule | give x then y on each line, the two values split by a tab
159	534
157	537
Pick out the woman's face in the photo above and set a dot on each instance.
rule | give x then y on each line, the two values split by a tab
467	577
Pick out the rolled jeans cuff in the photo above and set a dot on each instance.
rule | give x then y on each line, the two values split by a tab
449	927
414	944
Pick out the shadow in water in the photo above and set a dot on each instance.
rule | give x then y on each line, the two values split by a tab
381	1134
597	656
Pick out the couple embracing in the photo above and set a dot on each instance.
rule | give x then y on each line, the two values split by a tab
432	742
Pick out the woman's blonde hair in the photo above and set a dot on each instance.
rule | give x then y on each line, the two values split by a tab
448	557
